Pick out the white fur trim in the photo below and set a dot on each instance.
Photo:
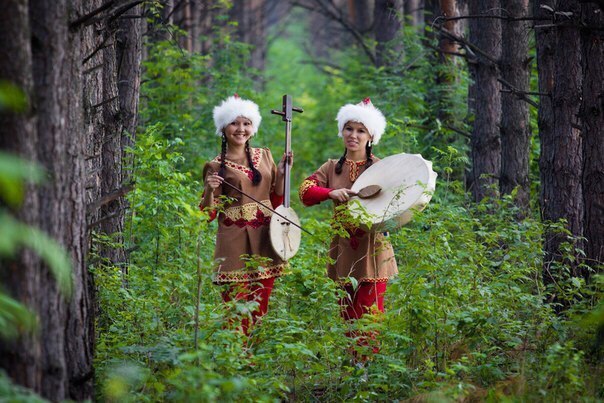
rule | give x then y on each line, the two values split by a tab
364	113
234	107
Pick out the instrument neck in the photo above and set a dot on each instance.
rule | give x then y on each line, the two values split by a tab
287	173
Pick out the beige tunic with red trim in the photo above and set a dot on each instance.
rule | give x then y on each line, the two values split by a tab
243	247
366	256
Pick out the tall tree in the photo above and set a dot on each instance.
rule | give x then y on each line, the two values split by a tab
360	14
62	348
386	26
414	12
515	129
592	115
21	277
251	28
561	160
484	98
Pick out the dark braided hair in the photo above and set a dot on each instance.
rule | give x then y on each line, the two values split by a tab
368	152
223	156
256	175
341	162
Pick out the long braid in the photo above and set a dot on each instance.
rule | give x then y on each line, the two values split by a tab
368	147
223	151
256	175
341	162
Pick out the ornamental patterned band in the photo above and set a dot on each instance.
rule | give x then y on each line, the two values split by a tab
307	184
250	214
256	157
248	275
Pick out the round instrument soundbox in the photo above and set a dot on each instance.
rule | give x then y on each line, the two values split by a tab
407	182
285	237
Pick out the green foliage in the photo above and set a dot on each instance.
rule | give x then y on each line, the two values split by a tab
465	319
15	172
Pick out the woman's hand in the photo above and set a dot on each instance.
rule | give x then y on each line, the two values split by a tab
213	181
281	166
341	195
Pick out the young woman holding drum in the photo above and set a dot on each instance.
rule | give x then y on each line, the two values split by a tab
366	256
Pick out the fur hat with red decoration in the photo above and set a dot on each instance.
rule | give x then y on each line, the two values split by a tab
234	107
364	112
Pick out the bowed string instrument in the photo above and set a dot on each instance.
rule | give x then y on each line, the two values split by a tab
285	225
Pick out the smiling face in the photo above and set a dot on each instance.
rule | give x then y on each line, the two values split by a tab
238	132
356	136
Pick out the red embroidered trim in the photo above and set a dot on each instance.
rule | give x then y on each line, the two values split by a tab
346	281
256	157
259	221
355	168
241	276
307	184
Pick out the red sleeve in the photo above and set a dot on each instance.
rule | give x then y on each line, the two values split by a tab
315	195
311	192
212	212
276	200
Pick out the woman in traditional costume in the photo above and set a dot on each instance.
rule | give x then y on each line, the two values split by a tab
364	255
245	260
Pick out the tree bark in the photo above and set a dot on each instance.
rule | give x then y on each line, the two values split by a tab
386	26
515	129
561	161
21	277
485	100
414	12
360	13
251	26
592	114
62	348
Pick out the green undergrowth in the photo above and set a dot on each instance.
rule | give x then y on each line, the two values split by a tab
466	317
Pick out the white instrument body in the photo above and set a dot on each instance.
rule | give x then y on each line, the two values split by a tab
285	237
407	182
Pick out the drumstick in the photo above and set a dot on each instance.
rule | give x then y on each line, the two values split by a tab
368	192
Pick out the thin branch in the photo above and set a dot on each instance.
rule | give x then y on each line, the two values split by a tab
109	198
468	44
518	92
86	17
98	48
498	17
541	94
104	102
446	52
340	19
118	12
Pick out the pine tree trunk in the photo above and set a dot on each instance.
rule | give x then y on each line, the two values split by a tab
592	114
515	130
561	161
386	26
485	100
360	14
62	348
413	10
21	277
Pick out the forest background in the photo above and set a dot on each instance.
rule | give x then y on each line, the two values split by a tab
106	123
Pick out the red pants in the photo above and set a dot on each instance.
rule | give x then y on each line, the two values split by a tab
258	291
358	302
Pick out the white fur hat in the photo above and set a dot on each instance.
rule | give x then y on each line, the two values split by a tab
234	107
364	112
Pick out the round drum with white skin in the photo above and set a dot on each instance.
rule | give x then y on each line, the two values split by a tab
407	182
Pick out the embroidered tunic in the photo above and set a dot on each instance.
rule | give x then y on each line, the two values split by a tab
365	255
243	225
